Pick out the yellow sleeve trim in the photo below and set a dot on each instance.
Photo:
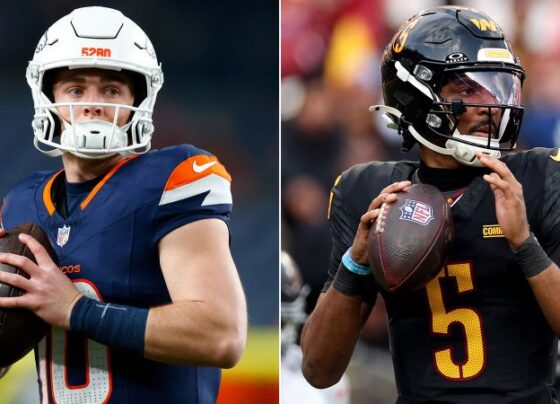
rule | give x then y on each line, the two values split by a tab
331	195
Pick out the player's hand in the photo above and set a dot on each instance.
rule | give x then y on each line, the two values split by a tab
51	295
510	204
359	249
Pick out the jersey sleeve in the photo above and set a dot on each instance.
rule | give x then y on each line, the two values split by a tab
199	187
550	228
343	225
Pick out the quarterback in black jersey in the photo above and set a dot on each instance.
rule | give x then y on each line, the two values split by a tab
484	330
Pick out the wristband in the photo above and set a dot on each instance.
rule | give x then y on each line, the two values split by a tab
121	327
353	266
531	257
352	282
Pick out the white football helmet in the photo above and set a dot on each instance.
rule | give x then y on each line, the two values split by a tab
94	37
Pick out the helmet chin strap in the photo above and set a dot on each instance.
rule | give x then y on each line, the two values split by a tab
94	135
463	153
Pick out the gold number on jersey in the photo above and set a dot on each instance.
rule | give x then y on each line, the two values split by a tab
475	351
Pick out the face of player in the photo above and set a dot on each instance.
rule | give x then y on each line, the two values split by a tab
95	86
487	89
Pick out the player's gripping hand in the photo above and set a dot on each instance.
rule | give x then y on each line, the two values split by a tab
51	295
359	248
510	204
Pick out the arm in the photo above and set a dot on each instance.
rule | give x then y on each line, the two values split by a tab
332	330
207	322
329	336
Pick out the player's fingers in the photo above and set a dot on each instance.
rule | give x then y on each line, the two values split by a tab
368	217
396	187
382	198
19	261
495	165
39	252
12	302
15	280
494	180
377	201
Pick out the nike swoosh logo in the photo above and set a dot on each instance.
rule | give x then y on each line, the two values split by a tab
557	157
198	169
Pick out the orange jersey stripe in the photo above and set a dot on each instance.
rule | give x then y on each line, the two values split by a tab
47	194
195	168
100	184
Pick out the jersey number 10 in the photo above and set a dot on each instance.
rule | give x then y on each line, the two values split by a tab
54	372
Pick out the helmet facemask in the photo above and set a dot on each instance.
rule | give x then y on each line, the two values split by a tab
91	139
478	108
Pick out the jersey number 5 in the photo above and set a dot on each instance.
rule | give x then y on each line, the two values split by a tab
475	350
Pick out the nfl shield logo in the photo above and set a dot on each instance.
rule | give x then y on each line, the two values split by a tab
417	212
63	235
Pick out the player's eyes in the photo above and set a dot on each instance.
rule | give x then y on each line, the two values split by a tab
466	91
75	91
112	91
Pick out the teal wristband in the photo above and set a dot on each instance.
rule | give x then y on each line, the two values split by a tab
353	266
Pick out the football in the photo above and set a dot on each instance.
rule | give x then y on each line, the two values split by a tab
20	329
411	238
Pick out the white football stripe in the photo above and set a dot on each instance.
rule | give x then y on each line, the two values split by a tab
219	187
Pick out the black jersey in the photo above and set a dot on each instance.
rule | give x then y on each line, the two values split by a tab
474	334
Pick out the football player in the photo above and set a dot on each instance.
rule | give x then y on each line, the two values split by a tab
484	330
145	302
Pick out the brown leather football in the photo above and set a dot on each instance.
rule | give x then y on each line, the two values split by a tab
410	240
20	329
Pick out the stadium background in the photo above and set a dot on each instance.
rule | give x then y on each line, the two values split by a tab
329	76
220	62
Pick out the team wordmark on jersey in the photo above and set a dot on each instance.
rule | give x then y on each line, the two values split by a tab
417	212
492	231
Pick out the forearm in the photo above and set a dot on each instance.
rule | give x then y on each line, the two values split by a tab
545	286
196	333
329	336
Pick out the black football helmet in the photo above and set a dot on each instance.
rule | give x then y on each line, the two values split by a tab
443	64
293	295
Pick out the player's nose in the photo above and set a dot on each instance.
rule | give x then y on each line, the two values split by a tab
93	110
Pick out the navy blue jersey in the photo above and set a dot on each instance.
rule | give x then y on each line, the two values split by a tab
109	248
475	333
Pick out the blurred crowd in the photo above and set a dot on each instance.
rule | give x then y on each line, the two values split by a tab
331	52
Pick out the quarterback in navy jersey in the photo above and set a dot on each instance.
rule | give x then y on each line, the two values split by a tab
485	328
145	303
